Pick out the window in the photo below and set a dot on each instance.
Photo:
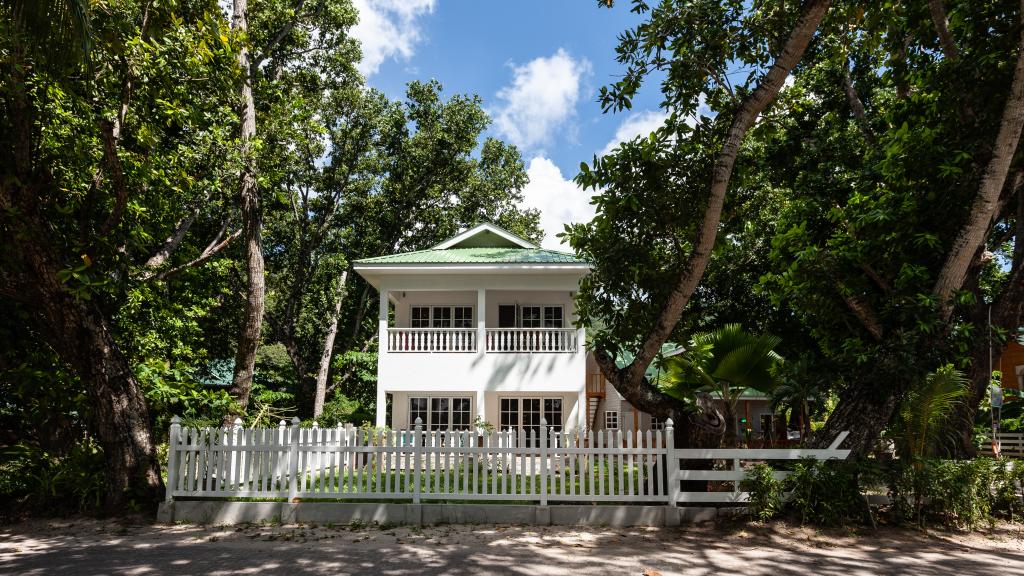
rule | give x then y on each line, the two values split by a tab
541	317
509	413
441	413
441	317
418	409
420	317
463	316
611	420
657	423
526	413
531	317
552	316
506	316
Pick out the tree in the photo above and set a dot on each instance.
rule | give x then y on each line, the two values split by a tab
682	167
726	362
289	42
86	151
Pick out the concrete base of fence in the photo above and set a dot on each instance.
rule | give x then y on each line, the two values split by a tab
219	512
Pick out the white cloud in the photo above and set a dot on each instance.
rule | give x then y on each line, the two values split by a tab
388	29
540	100
636	124
559	199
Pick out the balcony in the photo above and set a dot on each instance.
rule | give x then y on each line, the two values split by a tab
498	340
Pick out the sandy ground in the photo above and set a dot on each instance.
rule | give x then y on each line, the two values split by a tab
97	547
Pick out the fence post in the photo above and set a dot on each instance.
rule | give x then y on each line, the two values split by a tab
672	470
172	458
543	462
237	457
417	431
293	463
279	470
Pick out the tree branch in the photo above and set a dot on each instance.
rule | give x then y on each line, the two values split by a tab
856	105
971	236
210	252
864	312
938	11
113	162
172	242
632	375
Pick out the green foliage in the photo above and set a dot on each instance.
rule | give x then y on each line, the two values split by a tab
340	410
922	419
765	492
825	492
32	479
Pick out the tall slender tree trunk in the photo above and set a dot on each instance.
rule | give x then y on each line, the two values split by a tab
252	321
320	395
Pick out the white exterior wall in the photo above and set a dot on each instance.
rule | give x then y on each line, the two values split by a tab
483	376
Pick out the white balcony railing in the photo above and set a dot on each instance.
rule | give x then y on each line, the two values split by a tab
431	340
532	340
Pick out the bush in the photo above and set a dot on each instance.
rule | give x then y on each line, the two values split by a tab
34	480
824	492
765	492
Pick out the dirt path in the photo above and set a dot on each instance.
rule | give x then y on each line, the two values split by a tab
94	547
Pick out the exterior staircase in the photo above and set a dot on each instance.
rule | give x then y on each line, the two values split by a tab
595	396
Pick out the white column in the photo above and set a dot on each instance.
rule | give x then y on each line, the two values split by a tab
382	407
481	412
582	410
382	347
481	321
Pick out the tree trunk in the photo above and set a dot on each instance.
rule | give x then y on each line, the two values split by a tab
630	380
731	432
325	357
252	321
80	335
971	236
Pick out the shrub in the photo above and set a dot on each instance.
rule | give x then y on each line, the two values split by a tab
957	492
765	492
824	492
33	479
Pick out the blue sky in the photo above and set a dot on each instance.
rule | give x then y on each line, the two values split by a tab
538	66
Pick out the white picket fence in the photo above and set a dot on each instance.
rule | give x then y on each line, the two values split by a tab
536	466
1011	444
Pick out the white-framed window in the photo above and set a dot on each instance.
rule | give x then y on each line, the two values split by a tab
611	419
420	317
541	317
526	413
441	412
441	317
552	316
657	423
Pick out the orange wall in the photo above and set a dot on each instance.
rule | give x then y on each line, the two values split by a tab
1013	356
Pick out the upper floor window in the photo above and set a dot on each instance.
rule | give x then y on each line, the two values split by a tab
441	317
541	317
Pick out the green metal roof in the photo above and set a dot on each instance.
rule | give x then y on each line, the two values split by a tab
476	255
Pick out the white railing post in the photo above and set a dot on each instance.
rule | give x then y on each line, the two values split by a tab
236	458
279	470
173	444
417	430
543	462
672	470
293	463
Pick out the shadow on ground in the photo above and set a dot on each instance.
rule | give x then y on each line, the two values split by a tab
95	547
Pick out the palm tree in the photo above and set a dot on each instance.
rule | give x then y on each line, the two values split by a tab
726	362
921	420
800	386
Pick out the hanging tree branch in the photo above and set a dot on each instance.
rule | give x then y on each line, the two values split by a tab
938	11
630	379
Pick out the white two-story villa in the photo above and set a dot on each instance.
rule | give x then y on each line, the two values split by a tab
480	328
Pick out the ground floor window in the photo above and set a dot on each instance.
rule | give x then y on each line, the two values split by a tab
441	412
657	423
526	413
611	420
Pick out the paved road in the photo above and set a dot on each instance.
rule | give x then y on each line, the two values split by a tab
91	547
